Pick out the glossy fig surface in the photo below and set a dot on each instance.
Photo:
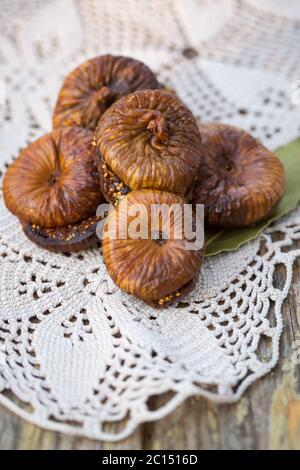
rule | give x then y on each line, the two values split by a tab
242	181
97	83
149	139
54	181
156	267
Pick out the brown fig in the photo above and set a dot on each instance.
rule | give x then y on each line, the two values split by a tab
71	238
149	139
111	186
155	266
54	185
241	182
97	83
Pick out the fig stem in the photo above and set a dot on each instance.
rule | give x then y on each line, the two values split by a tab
158	126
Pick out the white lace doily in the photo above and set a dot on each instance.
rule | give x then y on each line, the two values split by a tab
75	351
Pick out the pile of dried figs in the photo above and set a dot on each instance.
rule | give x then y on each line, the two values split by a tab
120	136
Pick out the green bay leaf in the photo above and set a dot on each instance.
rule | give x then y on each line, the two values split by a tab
220	240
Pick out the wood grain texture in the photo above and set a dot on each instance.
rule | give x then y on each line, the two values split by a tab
267	416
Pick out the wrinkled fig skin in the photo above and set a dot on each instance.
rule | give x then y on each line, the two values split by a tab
97	83
111	186
147	268
149	139
243	181
54	181
72	238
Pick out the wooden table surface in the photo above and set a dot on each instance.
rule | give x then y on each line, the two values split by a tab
266	417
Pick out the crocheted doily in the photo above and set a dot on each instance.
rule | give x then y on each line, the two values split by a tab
75	351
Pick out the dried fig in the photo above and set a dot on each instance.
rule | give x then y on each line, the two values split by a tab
71	238
242	181
54	184
93	86
111	186
149	139
157	268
